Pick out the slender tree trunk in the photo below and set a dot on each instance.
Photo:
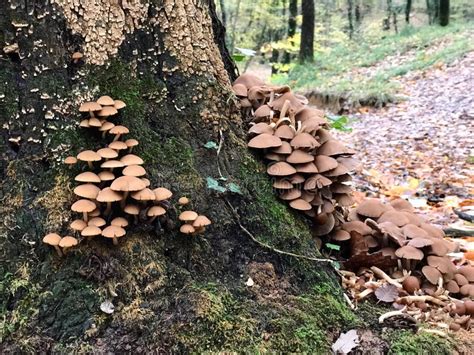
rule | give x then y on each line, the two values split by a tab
357	13
307	31
223	13
234	24
408	11
349	17
443	12
292	14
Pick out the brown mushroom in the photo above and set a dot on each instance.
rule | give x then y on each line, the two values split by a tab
107	153
119	104
114	232
108	195
371	207
187	229
89	156
90	107
105	101
70	161
76	57
119	221
131	159
264	141
89	191
78	225
106	126
411	284
67	242
155	211
200	223
131	143
91	231
132	210
83	206
53	239
409	256
134	170
162	194
281	169
188	216
118	145
118	131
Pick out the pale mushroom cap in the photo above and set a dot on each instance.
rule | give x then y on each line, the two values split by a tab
183	200
131	159
78	225
119	104
263	141
281	169
260	128
106	126
106	176
90	231
299	157
89	155
119	221
144	195
84	123
113	232
52	239
333	147
131	142
308	168
240	90
83	206
94	122
119	129
90	106
107	153
408	252
402	205
248	80
70	160
109	195
358	227
285	148
76	55
155	211
282	184
304	140
396	217
340	235
118	145
111	164
285	132
67	242
95	213
187	229
201	221
162	193
87	191
431	273
301	205
132	209
107	111
146	181
325	163
96	221
188	216
371	207
134	170
105	101
127	183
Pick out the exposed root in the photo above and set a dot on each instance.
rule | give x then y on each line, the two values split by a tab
387	315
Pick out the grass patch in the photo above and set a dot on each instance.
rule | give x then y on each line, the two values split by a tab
406	343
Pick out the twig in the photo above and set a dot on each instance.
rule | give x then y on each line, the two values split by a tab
384	276
465	216
384	316
221	142
411	299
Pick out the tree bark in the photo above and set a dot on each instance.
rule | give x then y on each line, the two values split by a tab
349	17
168	62
443	12
307	31
223	13
292	14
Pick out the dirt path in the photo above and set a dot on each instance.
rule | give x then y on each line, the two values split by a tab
421	147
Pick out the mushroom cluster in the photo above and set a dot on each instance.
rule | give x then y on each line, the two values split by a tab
309	167
193	223
61	244
114	186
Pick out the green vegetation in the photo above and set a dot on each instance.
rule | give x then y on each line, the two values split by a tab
407	343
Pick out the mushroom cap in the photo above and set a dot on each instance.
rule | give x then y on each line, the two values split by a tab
94	122
119	129
358	226
289	195
371	207
294	101
154	211
78	225
333	147
112	164
162	193
188	216
285	132
280	169
340	235
323	225
97	221
119	104
201	221
87	191
433	231
107	153
413	218
325	163
408	252
107	111
118	145
411	284
90	106
84	123
89	155
94	213
324	135
411	231
443	264
452	286
144	195
402	205
183	200
260	128
274	156
91	231
282	184
70	160
132	209
131	142
420	242
106	126
52	239
131	159
248	80
338	171
83	206
431	273
105	101
146	181
106	176
113	232
119	222
316	181
308	168
263	141
187	229
263	111
297	179
396	217
67	242
127	183
285	148
310	112
300	205
109	195
299	157
467	271
461	279
344	200
240	90
244	102
467	290
304	140
134	170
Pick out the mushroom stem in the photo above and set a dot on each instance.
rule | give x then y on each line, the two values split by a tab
284	108
58	250
384	276
364	293
391	314
108	209
150	221
117	137
90	165
135	219
84	216
103	134
115	241
124	199
90	112
130	149
411	299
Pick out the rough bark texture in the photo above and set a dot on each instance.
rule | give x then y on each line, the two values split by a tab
167	60
307	31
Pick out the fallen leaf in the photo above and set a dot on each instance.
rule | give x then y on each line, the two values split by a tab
346	342
107	307
249	282
387	293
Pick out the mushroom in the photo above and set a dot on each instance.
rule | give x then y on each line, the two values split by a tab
411	284
155	211
134	170
280	169
188	216
119	104
408	253
187	229
131	143
264	141
107	111
162	194
144	195
89	156
78	225
107	153
70	161
183	201
87	176
91	231
106	126
96	221
67	242
112	164
118	145
106	101
89	191
372	208
325	163
118	131
108	195
113	232
90	107
304	140
132	210
76	57
94	122
200	223
83	206
119	221
53	239
127	184
106	176
131	159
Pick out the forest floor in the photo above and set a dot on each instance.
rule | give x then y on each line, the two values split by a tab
422	147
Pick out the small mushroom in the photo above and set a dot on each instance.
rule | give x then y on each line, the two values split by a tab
118	131
76	57
67	242
78	225
114	232
108	196
162	194
132	210
127	184
53	239
91	231
200	223
90	107
188	216
70	161
155	211
105	101
131	143
183	201
89	156
83	206
119	221
187	229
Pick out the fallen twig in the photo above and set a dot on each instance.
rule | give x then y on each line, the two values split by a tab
411	299
384	276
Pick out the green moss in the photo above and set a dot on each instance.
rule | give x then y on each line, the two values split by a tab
405	342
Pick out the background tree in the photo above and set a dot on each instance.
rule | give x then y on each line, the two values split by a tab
349	16
292	13
443	12
307	31
407	11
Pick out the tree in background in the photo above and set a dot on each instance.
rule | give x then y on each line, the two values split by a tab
443	12
307	31
349	17
407	11
292	13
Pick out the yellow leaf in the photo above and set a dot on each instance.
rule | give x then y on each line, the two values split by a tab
413	183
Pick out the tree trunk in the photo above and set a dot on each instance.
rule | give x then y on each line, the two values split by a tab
443	12
307	31
408	11
168	62
358	15
223	13
292	14
349	17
